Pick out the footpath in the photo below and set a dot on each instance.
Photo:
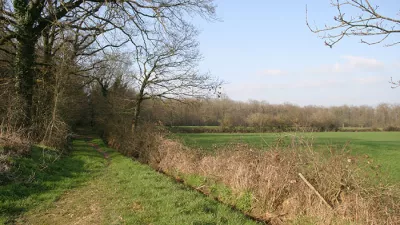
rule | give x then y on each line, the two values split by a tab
119	190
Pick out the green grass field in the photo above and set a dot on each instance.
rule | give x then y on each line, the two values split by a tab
86	188
382	147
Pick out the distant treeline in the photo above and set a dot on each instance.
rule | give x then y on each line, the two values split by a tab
260	116
241	129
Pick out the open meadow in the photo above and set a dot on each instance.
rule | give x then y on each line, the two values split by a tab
199	112
383	148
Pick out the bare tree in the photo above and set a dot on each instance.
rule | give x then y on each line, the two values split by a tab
105	23
168	70
367	22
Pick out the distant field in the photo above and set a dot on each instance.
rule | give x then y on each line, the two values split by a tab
383	147
248	129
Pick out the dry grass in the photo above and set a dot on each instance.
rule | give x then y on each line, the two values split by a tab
16	142
351	187
56	134
12	144
141	147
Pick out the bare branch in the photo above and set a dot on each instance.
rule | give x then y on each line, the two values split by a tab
369	22
395	84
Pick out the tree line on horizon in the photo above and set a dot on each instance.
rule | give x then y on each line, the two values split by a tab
264	116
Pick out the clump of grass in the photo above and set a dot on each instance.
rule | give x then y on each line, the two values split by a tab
240	200
352	189
12	145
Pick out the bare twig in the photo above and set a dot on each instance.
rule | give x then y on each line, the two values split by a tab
315	191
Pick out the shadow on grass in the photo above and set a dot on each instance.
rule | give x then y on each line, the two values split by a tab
40	178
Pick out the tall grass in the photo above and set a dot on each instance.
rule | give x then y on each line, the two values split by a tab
12	144
352	189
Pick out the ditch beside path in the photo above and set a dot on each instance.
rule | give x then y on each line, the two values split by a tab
124	191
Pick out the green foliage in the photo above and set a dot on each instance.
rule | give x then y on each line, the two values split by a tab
222	192
195	181
244	202
241	200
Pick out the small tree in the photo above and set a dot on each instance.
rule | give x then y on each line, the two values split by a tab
168	70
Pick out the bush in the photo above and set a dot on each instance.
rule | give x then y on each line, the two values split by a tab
391	128
142	144
56	134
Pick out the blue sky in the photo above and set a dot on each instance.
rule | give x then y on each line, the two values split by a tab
264	51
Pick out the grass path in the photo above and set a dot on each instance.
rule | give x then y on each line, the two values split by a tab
123	191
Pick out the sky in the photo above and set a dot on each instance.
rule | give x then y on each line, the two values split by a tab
263	50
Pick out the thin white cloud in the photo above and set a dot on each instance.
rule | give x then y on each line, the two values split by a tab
350	64
362	62
256	86
271	72
369	80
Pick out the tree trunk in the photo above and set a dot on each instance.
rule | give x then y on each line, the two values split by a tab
139	100
48	39
24	63
137	114
49	91
26	17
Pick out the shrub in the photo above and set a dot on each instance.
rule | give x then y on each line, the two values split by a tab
391	128
142	144
56	134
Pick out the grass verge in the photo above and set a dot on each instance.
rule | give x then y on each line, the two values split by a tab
43	176
118	191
